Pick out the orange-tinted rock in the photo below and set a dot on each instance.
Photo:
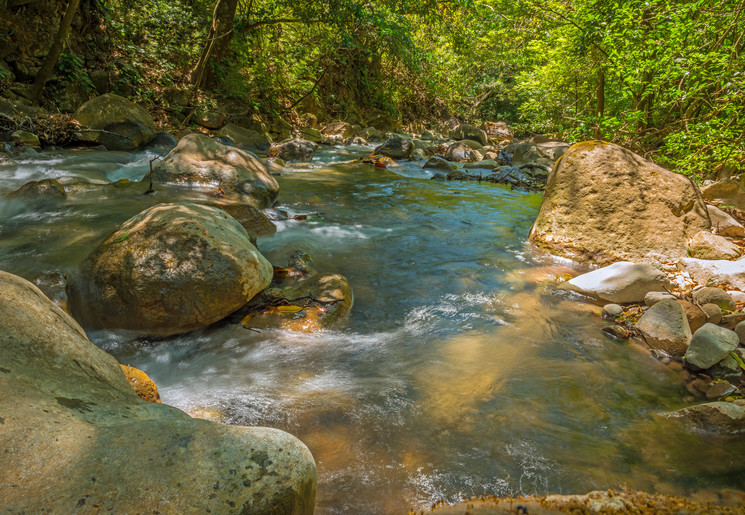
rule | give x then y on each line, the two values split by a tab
695	315
143	386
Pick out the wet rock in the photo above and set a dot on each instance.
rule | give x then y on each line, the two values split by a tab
171	269
488	164
713	313
728	368
497	131
246	137
299	299
709	345
730	274
613	310
209	119
45	189
141	383
729	191
114	122
25	138
81	439
396	147
199	161
311	134
544	153
711	295
418	155
723	224
466	131
590	213
224	140
705	245
252	219
461	153
372	134
438	163
616	332
665	327
339	130
298	150
621	282
717	417
719	390
163	140
653	297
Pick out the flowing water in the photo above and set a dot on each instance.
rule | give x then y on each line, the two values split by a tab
457	373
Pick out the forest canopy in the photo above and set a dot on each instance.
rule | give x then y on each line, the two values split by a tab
662	77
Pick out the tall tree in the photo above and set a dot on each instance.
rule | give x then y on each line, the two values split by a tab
216	46
56	49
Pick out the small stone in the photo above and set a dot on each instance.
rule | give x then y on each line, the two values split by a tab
695	315
727	368
665	327
613	310
715	296
653	297
721	389
705	245
709	346
740	331
713	312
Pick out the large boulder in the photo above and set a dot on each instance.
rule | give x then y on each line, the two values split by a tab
396	147
338	130
461	153
295	150
114	122
76	438
730	274
246	137
170	269
604	203
544	153
622	282
201	162
470	132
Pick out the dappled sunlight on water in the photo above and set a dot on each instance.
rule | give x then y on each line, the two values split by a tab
457	373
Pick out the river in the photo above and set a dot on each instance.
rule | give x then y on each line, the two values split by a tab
457	373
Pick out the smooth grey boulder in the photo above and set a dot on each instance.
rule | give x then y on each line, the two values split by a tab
299	150
715	272
665	327
717	417
723	223
203	163
621	282
604	204
77	439
705	245
711	295
709	345
170	269
653	297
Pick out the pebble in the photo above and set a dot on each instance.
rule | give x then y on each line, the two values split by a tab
721	389
653	297
713	313
613	310
716	296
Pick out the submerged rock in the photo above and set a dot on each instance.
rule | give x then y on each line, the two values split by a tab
79	439
201	162
604	203
621	282
45	189
717	417
171	269
114	122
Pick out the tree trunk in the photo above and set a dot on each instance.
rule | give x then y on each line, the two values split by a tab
600	106
217	42
56	49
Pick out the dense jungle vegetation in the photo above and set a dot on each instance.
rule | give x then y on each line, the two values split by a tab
662	77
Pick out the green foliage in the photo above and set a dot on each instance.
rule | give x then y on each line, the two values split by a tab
70	68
